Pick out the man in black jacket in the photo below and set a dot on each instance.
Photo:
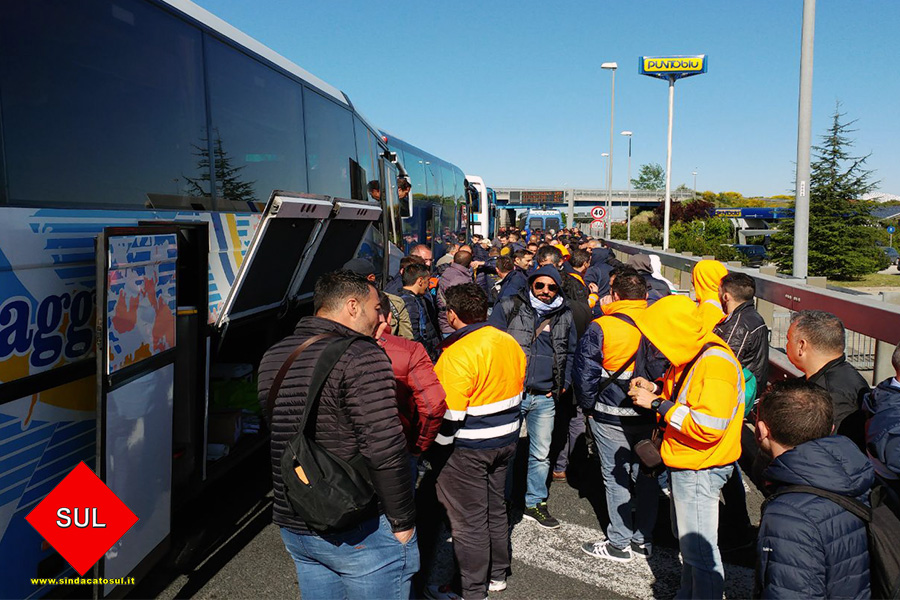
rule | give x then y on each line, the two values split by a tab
815	345
356	415
539	318
420	307
744	329
745	332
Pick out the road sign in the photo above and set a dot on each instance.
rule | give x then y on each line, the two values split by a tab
598	213
891	229
81	518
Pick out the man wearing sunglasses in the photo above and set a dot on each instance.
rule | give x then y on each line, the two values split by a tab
540	320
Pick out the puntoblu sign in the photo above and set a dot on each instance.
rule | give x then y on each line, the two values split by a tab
673	67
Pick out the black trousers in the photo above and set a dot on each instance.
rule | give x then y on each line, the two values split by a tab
471	487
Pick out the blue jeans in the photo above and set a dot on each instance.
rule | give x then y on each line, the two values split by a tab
538	412
364	562
695	519
627	489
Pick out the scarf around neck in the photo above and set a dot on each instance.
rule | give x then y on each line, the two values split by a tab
542	308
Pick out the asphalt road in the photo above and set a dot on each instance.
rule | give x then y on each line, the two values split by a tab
231	549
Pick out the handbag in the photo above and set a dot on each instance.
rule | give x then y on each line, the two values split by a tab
648	451
324	491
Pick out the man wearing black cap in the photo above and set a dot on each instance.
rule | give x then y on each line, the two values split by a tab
540	319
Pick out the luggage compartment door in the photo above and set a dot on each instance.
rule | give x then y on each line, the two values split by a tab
276	256
136	309
339	240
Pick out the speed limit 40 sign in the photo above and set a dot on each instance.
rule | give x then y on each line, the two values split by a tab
598	213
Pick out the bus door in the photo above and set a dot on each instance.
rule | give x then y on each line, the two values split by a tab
191	356
342	237
392	218
136	347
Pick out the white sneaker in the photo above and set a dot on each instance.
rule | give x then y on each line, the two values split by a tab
497	585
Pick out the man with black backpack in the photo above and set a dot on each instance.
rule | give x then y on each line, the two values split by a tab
365	549
810	546
608	357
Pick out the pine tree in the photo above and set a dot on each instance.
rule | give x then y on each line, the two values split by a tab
841	231
229	185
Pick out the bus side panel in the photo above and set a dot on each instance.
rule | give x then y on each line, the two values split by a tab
47	317
42	438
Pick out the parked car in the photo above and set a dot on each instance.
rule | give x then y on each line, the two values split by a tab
892	254
753	254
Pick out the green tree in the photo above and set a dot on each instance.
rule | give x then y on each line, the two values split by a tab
703	238
842	233
650	177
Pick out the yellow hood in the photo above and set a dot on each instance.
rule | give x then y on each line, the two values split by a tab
674	325
707	276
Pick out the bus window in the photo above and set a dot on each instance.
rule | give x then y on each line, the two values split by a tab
535	223
367	151
112	122
257	125
552	223
329	145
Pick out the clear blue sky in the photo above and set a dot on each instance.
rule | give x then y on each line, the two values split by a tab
513	91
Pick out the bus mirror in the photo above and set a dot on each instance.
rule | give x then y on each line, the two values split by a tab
405	206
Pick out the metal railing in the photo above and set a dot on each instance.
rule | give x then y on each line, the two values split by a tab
872	325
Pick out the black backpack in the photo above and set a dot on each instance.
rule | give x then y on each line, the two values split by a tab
882	529
326	492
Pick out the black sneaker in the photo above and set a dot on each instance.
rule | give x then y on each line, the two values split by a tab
641	550
603	549
540	514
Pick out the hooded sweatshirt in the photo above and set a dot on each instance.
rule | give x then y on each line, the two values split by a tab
656	265
550	353
707	276
704	421
641	264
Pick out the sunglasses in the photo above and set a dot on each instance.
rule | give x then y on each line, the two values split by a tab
551	287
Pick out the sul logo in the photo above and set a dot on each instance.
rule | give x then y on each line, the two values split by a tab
81	518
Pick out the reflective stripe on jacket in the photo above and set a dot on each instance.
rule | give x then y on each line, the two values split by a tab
482	370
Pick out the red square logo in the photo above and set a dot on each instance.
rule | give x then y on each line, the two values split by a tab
81	518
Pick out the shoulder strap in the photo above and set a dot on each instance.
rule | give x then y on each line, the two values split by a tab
540	328
326	363
615	376
849	504
677	389
517	306
282	372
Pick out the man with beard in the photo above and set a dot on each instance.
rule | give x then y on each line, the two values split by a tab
356	414
540	320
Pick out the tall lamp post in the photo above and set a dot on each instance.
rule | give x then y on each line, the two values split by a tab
606	156
694	173
671	68
610	66
628	134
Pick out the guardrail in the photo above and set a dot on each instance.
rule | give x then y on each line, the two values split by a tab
873	326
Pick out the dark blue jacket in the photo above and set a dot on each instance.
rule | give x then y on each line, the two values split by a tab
883	431
513	283
809	547
599	274
550	354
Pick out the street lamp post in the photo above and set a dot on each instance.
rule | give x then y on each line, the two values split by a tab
606	156
694	173
628	134
611	66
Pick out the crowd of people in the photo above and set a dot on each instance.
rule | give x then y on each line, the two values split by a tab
551	334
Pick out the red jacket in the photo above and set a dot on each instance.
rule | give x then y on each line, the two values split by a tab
420	397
